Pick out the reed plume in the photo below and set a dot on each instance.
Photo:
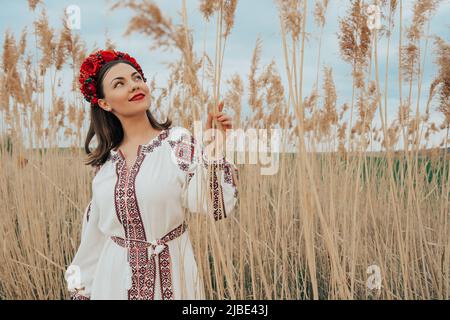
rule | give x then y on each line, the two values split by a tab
46	41
443	79
32	4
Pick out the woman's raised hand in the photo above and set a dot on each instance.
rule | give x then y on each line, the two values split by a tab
222	118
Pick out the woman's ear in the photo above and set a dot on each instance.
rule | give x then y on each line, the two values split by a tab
104	105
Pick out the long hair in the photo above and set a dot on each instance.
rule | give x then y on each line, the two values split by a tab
107	127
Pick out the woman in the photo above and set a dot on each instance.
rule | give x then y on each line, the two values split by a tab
134	242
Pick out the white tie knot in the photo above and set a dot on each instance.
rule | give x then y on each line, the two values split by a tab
159	249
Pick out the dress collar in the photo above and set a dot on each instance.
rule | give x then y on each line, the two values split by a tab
147	147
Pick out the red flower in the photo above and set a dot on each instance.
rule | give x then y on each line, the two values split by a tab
132	60
89	67
90	88
108	55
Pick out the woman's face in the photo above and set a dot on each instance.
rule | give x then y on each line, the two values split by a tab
121	84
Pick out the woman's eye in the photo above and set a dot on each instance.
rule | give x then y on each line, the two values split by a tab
120	82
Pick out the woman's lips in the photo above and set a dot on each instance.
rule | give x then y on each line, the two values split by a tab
138	97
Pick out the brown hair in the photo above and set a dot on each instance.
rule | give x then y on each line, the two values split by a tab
106	126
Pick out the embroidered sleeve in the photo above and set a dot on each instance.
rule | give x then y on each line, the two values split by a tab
79	275
74	295
203	178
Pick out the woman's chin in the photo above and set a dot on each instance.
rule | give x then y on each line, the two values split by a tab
139	103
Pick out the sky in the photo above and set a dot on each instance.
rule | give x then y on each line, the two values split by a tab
253	19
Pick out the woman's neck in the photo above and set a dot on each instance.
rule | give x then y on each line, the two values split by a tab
137	130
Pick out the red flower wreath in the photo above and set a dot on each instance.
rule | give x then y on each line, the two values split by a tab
92	65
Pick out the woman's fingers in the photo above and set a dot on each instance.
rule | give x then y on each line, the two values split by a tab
221	106
209	121
221	117
225	120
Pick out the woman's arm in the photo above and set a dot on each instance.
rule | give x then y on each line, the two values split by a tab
211	182
214	181
80	274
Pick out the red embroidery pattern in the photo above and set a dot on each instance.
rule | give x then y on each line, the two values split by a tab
185	155
74	295
219	164
229	178
114	157
190	175
184	151
164	261
129	215
214	186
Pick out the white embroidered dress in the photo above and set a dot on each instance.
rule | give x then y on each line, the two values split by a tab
134	242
